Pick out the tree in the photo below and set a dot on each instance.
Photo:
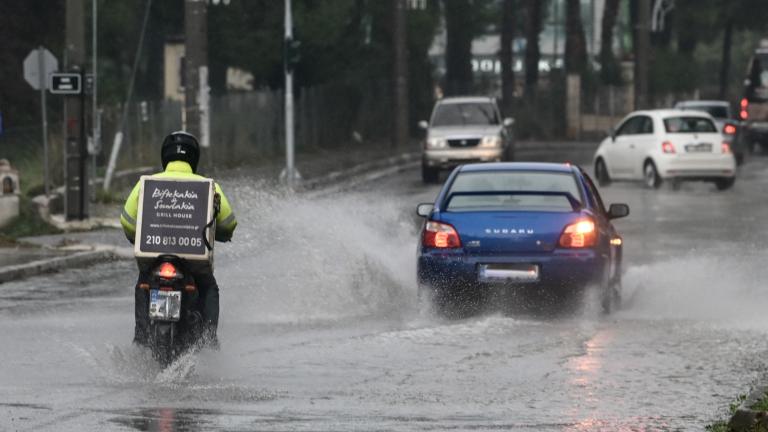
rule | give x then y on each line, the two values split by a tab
575	42
609	72
506	54
534	14
458	49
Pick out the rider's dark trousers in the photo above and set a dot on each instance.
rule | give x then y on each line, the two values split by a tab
209	295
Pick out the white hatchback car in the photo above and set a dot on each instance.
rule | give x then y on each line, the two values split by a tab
659	145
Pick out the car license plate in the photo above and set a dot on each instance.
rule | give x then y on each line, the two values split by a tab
500	273
164	305
698	148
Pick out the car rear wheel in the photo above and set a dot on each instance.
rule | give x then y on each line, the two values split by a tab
725	183
651	176
429	175
601	173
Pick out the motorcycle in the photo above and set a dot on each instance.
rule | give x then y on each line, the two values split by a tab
175	310
175	305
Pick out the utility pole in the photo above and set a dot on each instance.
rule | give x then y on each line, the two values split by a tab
76	196
400	74
642	47
196	59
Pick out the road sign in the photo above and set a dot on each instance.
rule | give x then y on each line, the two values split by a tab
38	64
66	83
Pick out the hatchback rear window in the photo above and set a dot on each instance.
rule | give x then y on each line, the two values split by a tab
513	191
689	125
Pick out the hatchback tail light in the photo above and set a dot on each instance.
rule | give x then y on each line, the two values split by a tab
579	234
667	147
744	105
729	129
441	236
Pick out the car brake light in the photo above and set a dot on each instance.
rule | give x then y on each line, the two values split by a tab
167	271
744	104
580	234
725	147
667	147
441	236
729	129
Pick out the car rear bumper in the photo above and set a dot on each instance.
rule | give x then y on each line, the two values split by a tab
560	269
451	157
697	167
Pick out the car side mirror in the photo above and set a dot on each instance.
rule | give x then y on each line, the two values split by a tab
616	211
423	124
612	134
509	121
424	209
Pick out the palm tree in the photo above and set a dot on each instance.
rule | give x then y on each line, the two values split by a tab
506	54
609	68
534	12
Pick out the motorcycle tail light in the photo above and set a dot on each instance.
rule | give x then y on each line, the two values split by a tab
189	288
579	234
168	271
729	129
440	235
667	147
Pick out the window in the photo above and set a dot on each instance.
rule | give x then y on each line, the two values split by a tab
689	125
462	114
7	186
716	111
498	191
635	125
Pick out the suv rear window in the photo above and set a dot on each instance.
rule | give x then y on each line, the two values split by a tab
716	111
498	189
689	125
462	114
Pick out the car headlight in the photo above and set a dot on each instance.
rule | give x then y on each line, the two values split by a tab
491	141
434	143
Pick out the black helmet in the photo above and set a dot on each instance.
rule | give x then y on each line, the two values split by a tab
181	146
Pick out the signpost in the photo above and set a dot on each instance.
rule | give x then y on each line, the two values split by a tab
66	83
38	65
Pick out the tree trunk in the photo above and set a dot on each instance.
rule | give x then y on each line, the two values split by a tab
575	42
400	74
532	52
507	56
458	50
609	69
726	61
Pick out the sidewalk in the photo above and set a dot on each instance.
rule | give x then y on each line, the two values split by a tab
101	238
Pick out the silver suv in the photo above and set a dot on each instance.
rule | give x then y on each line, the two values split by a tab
464	130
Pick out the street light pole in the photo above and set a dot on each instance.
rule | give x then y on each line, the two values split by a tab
289	173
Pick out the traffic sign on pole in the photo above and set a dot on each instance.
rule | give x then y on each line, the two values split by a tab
38	65
36	71
66	83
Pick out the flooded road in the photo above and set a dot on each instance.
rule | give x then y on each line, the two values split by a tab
321	330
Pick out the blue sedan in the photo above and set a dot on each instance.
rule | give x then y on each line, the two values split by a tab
534	227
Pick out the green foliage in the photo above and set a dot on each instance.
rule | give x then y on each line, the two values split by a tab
27	224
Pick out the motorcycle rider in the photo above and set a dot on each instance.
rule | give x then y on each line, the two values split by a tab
180	154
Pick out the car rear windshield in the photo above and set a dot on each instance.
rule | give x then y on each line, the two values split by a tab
462	114
689	125
716	111
498	191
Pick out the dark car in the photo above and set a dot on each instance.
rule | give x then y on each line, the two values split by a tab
538	227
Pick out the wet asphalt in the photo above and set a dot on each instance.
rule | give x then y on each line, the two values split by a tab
321	329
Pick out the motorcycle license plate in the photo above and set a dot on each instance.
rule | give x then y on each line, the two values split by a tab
164	305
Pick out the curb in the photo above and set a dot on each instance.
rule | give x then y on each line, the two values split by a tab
335	177
78	259
746	419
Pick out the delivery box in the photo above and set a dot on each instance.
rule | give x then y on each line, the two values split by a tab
172	219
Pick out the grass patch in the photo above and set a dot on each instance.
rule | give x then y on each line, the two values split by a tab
722	425
27	224
761	405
